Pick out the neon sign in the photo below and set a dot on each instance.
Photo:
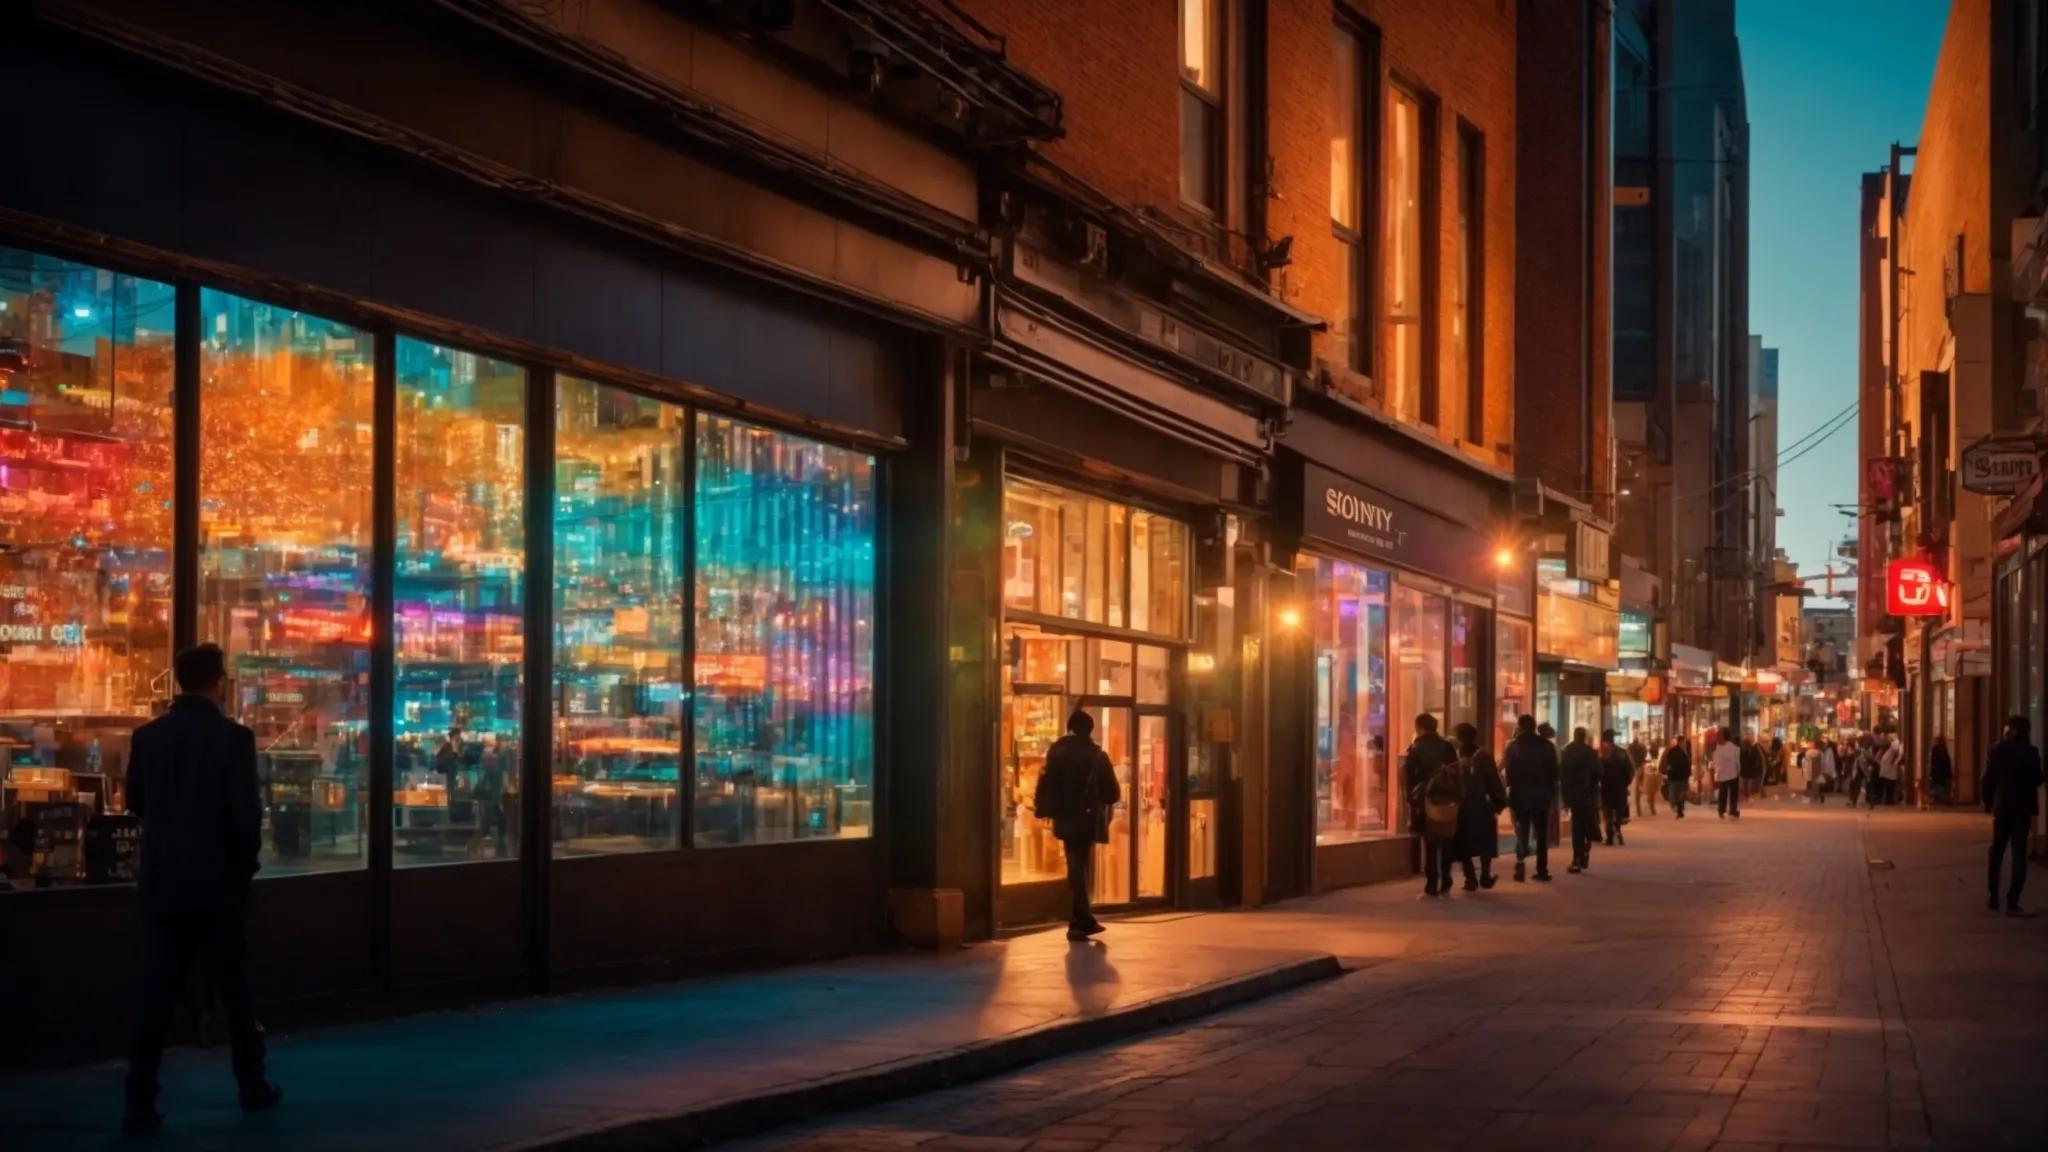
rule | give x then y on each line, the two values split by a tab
1914	588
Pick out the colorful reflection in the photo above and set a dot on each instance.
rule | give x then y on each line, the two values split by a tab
1351	754
85	537
285	567
784	704
618	667
459	597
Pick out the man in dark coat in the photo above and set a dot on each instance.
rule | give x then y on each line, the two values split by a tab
2011	778
1578	778
1077	790
1532	788
1617	770
192	780
1752	758
1425	756
1941	771
1677	774
1479	809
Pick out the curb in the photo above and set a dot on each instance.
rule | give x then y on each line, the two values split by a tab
748	1115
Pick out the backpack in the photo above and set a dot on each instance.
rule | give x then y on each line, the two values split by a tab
1440	796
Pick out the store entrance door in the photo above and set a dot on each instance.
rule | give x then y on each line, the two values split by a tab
1133	867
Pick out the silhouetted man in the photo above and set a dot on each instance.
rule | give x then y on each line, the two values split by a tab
2010	780
1617	771
1531	769
192	780
1077	790
1578	777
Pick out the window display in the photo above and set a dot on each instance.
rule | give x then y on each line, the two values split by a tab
785	586
1072	555
1418	658
459	599
286	412
85	540
1350	687
1514	652
618	653
1463	702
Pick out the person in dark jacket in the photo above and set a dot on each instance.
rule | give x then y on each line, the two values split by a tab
1425	756
1616	771
1677	767
1941	771
2011	778
1752	758
192	780
1076	791
1531	763
1578	781
1479	809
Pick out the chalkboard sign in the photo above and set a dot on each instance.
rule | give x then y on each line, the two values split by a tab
113	844
58	825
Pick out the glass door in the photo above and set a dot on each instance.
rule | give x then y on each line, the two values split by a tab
1114	861
1153	802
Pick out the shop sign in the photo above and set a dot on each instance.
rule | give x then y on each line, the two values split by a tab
1364	520
2000	466
1587	554
1914	588
1727	673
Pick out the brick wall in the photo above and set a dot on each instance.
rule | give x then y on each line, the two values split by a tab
1116	67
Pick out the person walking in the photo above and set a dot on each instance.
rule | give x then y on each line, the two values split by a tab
1427	785
1677	771
1616	773
1479	809
1820	767
1578	779
1941	772
1753	767
1532	787
1891	757
192	781
2012	775
1076	791
1647	782
1727	761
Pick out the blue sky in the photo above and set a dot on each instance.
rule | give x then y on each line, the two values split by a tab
1831	84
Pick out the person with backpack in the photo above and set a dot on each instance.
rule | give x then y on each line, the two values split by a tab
1616	770
1479	809
1429	773
1076	791
1677	768
1578	781
1532	789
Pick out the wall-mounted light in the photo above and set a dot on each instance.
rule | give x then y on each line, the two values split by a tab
1290	618
1503	557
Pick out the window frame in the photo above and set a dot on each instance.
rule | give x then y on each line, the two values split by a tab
1472	213
1361	241
1215	101
1428	253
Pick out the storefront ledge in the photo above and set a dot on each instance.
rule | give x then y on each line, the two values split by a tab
933	918
1350	863
731	1119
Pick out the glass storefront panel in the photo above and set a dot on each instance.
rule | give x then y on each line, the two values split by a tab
1513	666
1463	701
285	479
85	540
1031	557
1153	803
459	601
1418	656
1160	557
1350	685
785	586
618	655
1111	883
2037	633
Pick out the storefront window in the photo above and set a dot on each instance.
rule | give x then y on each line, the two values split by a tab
785	586
1159	574
285	476
1512	655
1418	655
85	537
618	673
1350	698
1463	701
459	602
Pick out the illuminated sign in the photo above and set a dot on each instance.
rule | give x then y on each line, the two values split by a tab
1914	588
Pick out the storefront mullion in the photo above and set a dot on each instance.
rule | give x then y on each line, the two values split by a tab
536	812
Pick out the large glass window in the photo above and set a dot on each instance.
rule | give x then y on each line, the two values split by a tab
1417	655
1351	754
459	597
1201	103
1513	657
285	475
618	655
1069	554
785	589
1406	330
1462	703
85	537
1159	574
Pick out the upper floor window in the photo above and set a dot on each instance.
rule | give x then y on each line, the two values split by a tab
1351	120
1201	103
1405	374
1468	327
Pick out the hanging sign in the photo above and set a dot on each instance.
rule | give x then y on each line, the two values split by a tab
2000	466
1914	588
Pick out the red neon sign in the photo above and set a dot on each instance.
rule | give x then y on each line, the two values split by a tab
1914	588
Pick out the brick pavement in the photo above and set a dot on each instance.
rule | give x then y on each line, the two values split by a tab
1713	985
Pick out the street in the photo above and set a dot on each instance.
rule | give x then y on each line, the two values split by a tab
1803	978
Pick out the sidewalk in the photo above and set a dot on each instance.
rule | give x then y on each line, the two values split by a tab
673	1065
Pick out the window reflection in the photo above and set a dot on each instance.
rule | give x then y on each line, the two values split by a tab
1417	653
85	536
618	673
784	704
1350	698
1512	653
459	597
286	422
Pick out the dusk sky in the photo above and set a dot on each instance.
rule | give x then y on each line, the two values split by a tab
1832	84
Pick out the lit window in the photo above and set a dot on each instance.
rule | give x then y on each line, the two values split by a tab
1404	371
1201	102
